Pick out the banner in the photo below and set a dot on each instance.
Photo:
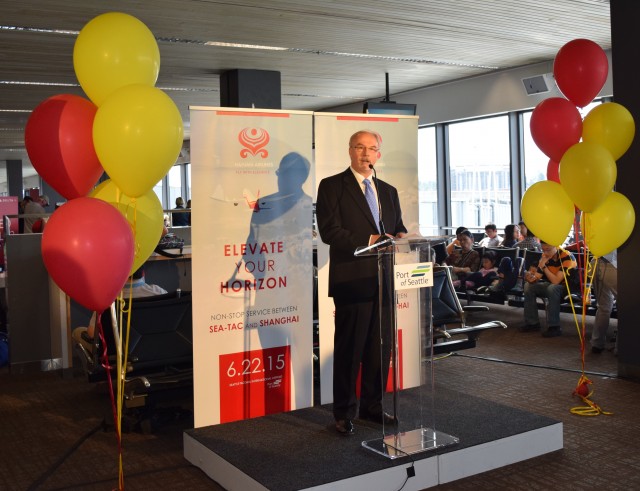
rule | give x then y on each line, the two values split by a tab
252	182
398	166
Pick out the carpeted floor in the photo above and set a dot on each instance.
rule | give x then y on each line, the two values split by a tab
54	437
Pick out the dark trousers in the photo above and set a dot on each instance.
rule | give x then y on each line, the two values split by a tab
357	341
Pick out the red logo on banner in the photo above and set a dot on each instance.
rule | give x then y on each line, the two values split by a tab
255	383
254	204
253	140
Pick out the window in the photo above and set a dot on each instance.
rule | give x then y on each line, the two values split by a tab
535	162
30	178
158	190
480	172
175	185
188	183
427	181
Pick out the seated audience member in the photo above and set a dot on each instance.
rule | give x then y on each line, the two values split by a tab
21	206
455	242
507	277
530	241
36	207
464	260
492	239
180	219
486	274
137	287
511	236
523	229
546	279
606	288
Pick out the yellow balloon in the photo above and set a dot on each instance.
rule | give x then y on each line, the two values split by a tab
144	214
114	50
587	173
137	134
548	211
610	225
610	125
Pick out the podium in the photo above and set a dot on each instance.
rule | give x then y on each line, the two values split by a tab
405	277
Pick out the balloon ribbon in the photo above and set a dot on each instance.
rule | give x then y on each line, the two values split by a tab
582	387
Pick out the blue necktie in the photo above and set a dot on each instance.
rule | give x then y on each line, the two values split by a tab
373	204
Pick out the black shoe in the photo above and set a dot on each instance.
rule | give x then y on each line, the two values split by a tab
596	351
482	289
345	427
529	328
552	332
381	418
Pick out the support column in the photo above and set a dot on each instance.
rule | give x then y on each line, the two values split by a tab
625	37
14	178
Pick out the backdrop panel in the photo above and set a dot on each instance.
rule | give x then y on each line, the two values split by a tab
398	165
252	184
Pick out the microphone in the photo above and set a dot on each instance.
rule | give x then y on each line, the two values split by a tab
375	182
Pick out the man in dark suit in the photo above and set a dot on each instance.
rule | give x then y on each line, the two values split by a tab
347	220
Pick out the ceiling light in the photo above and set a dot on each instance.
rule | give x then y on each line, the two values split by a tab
36	29
52	84
245	46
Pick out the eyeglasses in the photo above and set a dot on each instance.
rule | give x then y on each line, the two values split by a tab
361	148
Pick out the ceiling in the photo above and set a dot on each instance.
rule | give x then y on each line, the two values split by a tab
333	52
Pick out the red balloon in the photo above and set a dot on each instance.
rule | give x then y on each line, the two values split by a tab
59	141
553	171
88	249
580	69
556	125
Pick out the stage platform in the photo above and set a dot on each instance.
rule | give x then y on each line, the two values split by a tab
301	450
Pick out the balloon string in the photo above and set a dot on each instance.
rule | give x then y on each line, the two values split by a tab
116	419
117	339
576	240
134	226
122	357
586	280
122	349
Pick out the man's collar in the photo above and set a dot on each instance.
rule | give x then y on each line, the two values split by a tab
359	177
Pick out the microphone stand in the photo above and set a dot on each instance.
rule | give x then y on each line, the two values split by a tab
381	288
383	233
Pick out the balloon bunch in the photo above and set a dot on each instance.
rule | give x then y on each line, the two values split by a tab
128	128
582	171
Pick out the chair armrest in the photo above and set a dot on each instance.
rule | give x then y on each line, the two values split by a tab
475	308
